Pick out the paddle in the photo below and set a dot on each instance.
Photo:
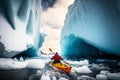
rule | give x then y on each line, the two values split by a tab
66	62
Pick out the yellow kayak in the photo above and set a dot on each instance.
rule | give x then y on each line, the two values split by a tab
63	67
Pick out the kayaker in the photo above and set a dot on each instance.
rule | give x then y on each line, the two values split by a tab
56	58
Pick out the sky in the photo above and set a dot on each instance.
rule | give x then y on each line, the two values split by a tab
52	20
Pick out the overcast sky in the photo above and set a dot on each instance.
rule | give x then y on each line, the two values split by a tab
52	21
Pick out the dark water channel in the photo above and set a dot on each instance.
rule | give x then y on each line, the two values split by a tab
19	74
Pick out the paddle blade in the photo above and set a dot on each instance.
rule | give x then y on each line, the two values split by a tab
50	50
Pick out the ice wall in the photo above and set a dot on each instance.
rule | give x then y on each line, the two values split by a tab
97	22
19	26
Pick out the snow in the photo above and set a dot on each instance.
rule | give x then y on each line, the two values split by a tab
46	56
6	63
18	40
15	64
53	78
84	77
35	63
46	73
17	37
11	64
100	66
104	75
104	72
62	78
45	77
21	59
84	62
83	69
80	66
114	76
101	77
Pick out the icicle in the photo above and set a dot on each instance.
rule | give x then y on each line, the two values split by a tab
15	59
21	59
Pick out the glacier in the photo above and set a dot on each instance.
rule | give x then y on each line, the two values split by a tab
20	27
91	28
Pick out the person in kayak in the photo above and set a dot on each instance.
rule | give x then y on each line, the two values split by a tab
56	58
60	65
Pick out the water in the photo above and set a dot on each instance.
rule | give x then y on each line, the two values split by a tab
18	74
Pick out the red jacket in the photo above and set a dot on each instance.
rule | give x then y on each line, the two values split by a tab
56	57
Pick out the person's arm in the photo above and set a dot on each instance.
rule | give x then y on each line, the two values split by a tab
61	58
52	58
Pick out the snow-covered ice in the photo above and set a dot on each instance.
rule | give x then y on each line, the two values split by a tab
35	63
101	77
12	64
53	78
78	63
106	75
45	77
113	76
84	77
83	69
6	63
62	78
103	72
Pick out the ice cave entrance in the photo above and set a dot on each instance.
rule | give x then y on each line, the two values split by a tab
52	21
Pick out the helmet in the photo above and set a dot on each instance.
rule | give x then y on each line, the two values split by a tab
56	53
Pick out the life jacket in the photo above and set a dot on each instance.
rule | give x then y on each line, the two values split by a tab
56	57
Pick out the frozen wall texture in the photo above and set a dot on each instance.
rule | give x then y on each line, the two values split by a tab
94	23
19	26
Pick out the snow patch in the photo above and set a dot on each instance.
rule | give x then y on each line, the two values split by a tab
101	77
36	63
104	72
12	64
84	77
83	69
7	63
113	76
53	78
79	63
62	78
45	77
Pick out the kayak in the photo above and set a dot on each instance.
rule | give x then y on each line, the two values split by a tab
64	67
